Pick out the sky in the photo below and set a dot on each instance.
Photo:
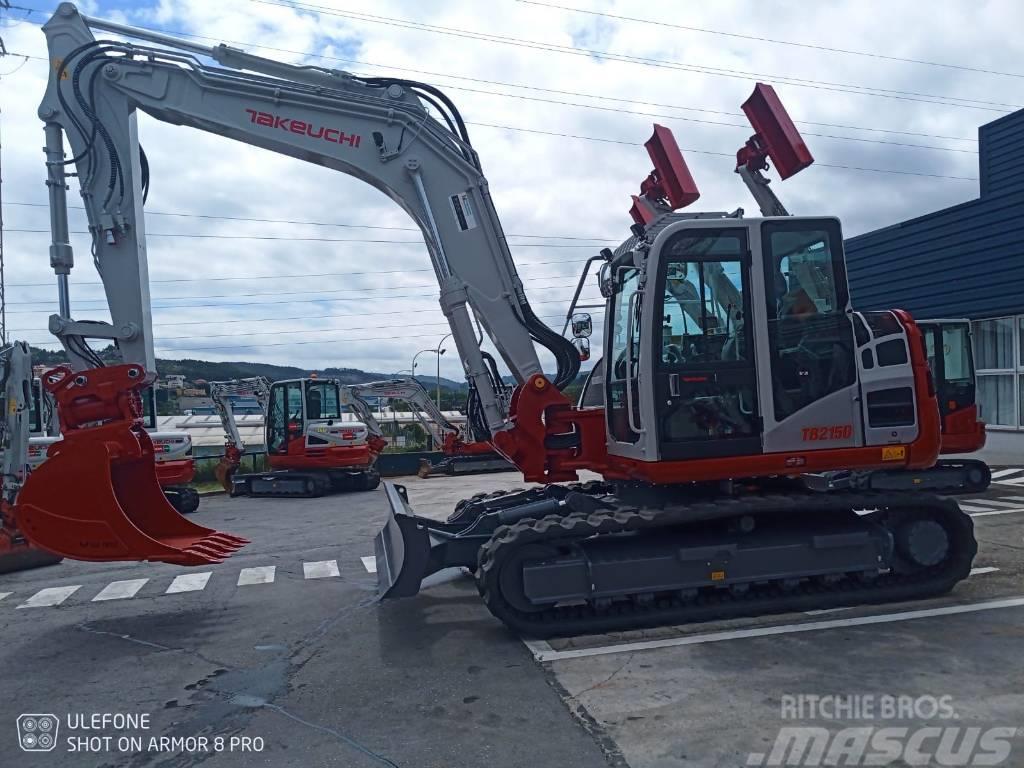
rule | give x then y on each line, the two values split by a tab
268	258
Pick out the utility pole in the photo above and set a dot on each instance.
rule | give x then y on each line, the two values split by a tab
4	5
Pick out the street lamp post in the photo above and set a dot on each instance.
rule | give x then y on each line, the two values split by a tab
438	380
430	438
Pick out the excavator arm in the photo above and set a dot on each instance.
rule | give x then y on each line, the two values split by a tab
376	129
411	391
222	393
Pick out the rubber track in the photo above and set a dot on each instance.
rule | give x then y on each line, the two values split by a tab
718	604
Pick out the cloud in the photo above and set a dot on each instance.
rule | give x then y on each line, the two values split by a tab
327	300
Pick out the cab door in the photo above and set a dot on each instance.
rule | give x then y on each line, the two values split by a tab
705	385
284	416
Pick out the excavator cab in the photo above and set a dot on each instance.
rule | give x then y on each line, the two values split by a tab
951	359
305	424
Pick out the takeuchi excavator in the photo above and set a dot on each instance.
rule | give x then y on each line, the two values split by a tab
311	449
705	423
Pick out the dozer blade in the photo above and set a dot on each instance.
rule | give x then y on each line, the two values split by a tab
97	498
409	547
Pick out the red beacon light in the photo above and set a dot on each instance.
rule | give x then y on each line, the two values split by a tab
669	186
775	137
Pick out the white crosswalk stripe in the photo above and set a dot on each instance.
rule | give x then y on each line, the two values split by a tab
120	590
189	582
983	570
1004	472
369	563
322	569
263	574
995	503
5	594
50	596
1014	481
971	508
997	512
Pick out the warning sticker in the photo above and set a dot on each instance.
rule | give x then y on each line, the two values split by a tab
462	207
894	452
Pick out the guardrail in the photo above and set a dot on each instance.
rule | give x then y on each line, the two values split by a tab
254	460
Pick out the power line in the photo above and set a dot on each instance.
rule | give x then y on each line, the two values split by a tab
294	275
955	101
294	238
311	294
338	330
361	62
745	127
720	154
830	49
305	222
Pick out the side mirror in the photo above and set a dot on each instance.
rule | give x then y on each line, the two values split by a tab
583	347
582	326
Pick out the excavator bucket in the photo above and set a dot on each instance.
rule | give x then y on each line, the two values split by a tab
228	466
97	496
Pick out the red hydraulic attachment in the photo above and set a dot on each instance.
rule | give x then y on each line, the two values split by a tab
669	186
228	465
97	497
774	137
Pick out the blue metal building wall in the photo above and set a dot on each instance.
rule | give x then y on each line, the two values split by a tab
964	261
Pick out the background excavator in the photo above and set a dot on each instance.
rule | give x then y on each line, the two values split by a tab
704	428
311	450
462	454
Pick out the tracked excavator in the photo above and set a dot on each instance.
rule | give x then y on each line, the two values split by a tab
703	427
311	449
461	453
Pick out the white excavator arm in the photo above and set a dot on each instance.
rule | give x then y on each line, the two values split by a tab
411	391
223	393
376	129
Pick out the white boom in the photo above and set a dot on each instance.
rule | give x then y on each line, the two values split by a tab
376	129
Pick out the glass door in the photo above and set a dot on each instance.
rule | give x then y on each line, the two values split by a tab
705	385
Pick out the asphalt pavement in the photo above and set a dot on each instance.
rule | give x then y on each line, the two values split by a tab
282	657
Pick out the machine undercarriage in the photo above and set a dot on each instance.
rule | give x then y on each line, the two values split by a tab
577	559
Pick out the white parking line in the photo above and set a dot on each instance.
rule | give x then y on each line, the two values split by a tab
984	569
120	590
995	503
1004	472
263	574
969	508
50	596
988	512
189	582
369	563
542	654
323	569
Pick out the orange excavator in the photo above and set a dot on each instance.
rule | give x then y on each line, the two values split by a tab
722	384
312	448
